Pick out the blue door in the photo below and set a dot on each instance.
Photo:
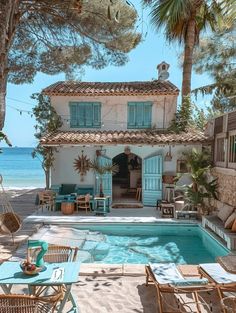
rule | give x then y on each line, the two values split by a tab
152	180
106	178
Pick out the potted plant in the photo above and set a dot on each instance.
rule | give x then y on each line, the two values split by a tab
103	169
203	187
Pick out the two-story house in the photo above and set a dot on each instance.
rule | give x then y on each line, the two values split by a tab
222	132
121	122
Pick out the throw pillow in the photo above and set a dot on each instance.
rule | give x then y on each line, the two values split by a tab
230	220
225	212
234	226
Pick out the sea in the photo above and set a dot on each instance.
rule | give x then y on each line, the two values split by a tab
19	170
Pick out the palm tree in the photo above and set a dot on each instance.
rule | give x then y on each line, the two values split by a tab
203	186
183	20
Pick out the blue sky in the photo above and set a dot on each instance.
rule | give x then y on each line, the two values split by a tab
141	66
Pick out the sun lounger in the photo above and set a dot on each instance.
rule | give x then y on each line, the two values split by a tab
169	280
225	281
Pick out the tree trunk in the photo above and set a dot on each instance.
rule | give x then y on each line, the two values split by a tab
9	19
47	178
188	58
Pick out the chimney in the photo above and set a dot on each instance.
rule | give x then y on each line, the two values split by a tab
163	73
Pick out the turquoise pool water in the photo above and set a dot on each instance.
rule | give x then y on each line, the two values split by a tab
122	243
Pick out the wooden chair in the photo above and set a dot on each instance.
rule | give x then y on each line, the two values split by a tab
46	199
28	304
225	281
138	193
83	202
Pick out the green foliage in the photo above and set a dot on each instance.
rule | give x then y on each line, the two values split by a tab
103	169
5	138
203	186
54	37
216	56
183	117
183	21
47	121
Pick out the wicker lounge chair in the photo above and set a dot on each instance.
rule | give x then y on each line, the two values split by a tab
28	304
168	280
225	282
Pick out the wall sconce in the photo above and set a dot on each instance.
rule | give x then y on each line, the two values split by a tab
168	156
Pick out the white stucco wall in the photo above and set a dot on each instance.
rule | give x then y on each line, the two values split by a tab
114	109
64	172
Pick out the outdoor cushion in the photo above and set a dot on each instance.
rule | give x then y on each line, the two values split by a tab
67	189
230	220
234	226
168	273
83	190
218	273
225	212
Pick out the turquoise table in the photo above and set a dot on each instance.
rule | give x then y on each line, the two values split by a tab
11	274
105	208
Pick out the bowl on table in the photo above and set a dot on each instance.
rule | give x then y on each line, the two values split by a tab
29	268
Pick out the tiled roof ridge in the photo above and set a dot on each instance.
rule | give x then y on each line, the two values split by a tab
104	88
149	137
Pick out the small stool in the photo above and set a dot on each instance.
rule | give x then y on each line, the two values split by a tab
138	193
169	193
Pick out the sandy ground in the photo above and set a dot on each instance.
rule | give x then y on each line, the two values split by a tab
23	204
127	294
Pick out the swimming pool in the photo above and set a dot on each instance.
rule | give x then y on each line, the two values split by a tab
140	244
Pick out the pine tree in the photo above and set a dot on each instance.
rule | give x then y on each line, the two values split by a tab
56	36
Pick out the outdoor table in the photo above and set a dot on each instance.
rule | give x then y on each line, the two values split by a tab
105	204
11	274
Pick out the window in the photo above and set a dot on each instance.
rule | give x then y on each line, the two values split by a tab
220	150
85	114
139	114
232	148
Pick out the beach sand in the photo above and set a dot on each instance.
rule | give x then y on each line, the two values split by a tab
23	204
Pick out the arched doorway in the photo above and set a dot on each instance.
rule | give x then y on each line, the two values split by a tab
129	177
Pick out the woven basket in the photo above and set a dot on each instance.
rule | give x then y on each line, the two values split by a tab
229	304
10	223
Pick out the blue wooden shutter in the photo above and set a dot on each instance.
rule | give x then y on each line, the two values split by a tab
152	180
131	115
88	114
81	114
147	114
73	115
97	114
139	114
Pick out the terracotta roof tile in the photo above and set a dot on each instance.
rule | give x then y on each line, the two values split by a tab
148	137
75	88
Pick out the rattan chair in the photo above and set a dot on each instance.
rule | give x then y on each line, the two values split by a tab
55	254
28	304
83	202
46	200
